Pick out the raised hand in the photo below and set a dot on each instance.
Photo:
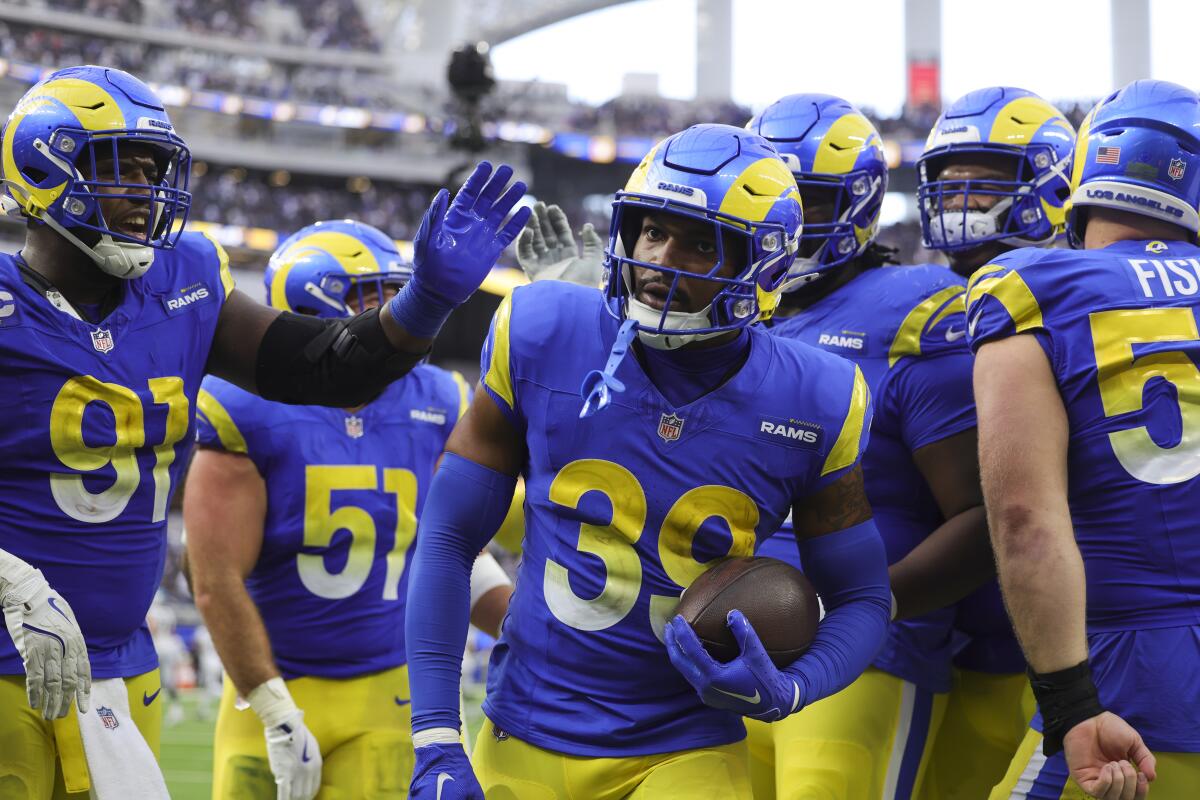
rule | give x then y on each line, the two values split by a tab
546	249
456	246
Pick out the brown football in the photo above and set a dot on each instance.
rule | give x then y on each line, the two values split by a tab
775	597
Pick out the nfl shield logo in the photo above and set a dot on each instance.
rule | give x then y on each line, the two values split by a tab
354	427
102	340
670	426
107	717
1176	168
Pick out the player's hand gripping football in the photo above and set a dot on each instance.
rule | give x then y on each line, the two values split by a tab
44	629
295	759
456	246
749	685
546	249
1108	759
443	772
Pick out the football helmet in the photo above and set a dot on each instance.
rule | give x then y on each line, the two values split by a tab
733	180
52	142
316	268
1139	151
829	145
1013	124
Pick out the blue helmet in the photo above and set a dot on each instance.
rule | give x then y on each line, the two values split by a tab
828	144
52	142
732	179
1014	124
314	270
1139	151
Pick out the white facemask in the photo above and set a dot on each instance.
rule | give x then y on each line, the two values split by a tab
954	228
647	317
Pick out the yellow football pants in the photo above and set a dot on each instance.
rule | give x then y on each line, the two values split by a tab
1032	776
986	719
510	769
871	740
362	725
42	760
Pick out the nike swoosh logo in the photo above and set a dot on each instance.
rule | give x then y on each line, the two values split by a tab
304	754
973	322
443	779
400	702
54	605
953	335
755	700
148	699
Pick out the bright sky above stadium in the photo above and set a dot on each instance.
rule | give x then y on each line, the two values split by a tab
856	50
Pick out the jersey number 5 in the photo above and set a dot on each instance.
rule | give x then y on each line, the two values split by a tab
1123	378
322	521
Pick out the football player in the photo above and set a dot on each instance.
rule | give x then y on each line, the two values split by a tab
993	177
681	450
1086	380
282	596
111	315
905	329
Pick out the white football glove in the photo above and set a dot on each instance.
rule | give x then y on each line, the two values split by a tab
43	628
292	750
546	249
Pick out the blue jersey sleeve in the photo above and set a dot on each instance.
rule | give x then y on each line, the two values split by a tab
1000	303
225	419
853	430
932	398
496	362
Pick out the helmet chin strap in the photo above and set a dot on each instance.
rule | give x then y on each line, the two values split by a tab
124	260
649	318
120	259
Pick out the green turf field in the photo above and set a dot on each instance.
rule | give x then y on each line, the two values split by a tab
187	743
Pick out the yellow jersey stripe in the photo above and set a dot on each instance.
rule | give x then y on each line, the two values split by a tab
498	377
977	276
223	257
1014	294
845	449
464	392
231	438
921	318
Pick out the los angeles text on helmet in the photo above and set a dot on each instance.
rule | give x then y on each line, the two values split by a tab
1134	200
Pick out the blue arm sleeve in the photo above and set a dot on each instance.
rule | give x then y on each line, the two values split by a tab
464	509
849	570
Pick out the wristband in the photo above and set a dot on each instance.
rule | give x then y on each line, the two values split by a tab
272	702
420	312
486	575
436	736
1065	698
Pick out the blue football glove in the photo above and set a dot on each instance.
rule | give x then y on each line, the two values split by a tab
443	772
456	246
749	685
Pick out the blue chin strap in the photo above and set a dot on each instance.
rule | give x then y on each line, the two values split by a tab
598	385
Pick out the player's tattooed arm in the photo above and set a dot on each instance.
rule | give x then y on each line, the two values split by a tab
956	558
840	505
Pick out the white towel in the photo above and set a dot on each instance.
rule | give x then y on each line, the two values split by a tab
118	758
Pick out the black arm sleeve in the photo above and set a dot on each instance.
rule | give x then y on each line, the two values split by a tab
328	362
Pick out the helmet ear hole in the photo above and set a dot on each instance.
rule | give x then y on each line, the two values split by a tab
35	174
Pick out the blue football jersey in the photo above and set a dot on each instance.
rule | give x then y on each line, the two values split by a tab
344	492
1119	329
905	328
97	425
625	509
